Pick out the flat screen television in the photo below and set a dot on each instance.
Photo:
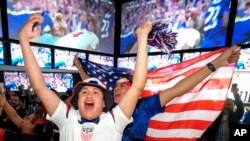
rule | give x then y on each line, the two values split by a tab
169	59
100	59
61	82
15	79
202	19
1	30
241	32
43	55
64	58
154	61
58	81
190	55
122	62
79	24
1	54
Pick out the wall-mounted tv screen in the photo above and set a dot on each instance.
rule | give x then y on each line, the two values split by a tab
64	58
1	30
78	24
242	22
100	59
243	63
190	55
154	61
15	79
202	19
58	81
169	59
43	55
1	54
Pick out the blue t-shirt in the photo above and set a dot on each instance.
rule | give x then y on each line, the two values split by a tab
145	109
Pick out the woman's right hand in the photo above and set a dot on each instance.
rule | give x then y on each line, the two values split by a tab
28	31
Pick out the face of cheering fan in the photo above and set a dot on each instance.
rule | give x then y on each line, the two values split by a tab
90	102
120	89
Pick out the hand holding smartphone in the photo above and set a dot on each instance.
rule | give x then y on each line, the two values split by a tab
37	23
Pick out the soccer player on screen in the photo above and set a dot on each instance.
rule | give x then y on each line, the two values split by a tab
107	29
241	24
215	24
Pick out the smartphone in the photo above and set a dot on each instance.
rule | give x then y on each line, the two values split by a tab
37	23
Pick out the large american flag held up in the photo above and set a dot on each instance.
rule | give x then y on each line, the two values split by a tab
185	117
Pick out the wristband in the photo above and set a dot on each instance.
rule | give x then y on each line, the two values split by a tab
211	67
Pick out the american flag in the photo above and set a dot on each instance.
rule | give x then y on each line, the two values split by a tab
188	116
107	74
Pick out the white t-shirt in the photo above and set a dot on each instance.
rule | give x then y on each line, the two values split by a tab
80	39
109	127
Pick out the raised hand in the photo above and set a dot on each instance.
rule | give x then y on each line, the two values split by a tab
27	32
230	55
144	29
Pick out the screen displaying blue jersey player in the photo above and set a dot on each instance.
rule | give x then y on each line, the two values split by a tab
242	21
17	19
107	29
215	24
1	31
127	42
241	32
1	54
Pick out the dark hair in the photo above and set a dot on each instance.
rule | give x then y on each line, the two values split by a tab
64	97
129	77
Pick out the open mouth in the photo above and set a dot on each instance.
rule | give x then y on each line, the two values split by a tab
117	95
89	105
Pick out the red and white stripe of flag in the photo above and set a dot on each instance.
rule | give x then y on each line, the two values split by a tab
188	116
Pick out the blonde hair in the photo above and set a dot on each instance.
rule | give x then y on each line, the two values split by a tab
63	26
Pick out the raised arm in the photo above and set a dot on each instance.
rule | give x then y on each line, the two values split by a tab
129	100
2	102
238	103
230	55
82	72
9	110
49	99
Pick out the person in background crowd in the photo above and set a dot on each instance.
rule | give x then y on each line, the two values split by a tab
15	102
31	128
246	117
220	129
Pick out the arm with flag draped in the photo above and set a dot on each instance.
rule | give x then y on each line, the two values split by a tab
82	72
230	55
193	95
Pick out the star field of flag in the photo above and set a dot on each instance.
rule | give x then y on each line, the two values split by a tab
107	74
